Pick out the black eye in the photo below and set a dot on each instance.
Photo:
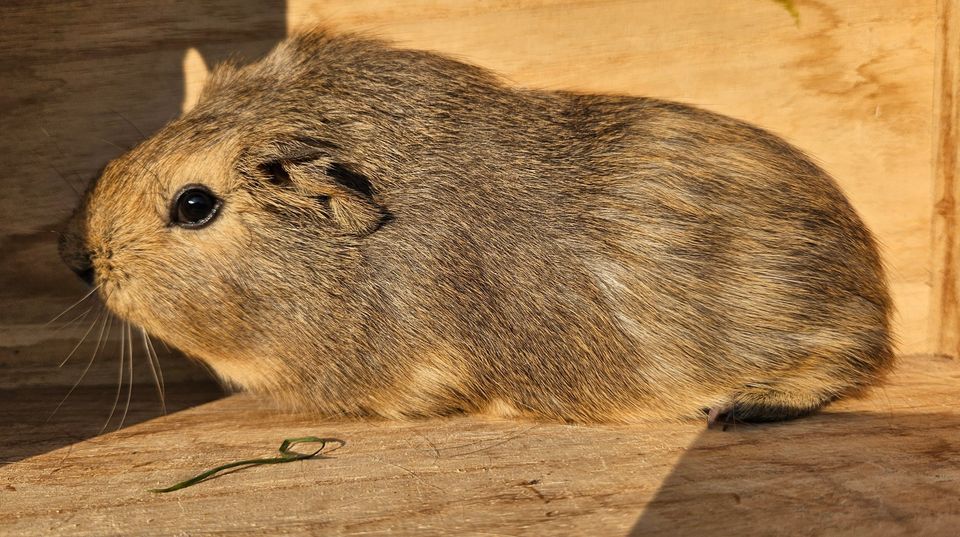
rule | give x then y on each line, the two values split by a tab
194	207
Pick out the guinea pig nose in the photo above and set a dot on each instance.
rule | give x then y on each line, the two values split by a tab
76	257
86	274
82	266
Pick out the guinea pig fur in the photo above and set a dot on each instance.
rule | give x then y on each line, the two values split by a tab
359	230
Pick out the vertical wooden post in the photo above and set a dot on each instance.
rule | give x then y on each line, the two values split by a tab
945	302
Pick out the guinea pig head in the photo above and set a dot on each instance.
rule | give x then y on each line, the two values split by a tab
233	245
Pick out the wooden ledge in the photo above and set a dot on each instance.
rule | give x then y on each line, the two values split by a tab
888	465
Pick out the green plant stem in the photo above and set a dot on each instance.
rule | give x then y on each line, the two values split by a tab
285	456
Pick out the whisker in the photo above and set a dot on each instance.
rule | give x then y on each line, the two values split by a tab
75	304
103	326
116	397
129	380
103	309
131	123
156	356
59	149
153	369
73	321
114	144
137	162
64	178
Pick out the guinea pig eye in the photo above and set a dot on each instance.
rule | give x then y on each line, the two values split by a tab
194	207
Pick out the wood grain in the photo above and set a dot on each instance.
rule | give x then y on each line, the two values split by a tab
945	303
888	465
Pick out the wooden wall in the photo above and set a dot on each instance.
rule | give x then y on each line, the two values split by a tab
866	87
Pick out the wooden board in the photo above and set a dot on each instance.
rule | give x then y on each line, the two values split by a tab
888	465
945	304
846	80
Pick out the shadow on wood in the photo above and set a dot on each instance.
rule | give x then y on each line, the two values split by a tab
81	82
843	473
31	428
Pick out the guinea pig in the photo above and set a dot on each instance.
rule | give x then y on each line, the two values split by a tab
360	230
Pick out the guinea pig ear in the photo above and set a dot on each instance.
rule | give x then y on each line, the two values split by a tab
353	205
221	75
347	194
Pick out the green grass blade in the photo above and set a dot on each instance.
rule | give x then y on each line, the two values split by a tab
286	455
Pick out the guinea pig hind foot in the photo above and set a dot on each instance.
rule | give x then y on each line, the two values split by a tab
761	407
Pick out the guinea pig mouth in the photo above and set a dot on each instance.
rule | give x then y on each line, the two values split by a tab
110	280
106	272
119	303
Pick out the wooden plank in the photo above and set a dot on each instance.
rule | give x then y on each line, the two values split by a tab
945	303
887	465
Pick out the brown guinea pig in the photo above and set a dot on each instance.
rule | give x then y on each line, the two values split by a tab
366	231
